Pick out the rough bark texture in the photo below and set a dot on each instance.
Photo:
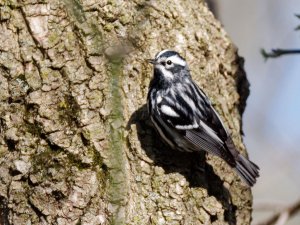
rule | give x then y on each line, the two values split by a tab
76	145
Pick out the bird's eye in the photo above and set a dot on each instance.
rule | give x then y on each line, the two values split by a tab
169	62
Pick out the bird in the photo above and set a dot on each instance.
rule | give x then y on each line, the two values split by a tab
185	118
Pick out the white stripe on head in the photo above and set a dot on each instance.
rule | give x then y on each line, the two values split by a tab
162	52
168	111
177	60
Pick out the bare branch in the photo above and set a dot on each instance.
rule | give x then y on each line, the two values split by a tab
278	52
283	216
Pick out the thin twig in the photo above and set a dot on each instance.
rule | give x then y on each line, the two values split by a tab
278	52
281	217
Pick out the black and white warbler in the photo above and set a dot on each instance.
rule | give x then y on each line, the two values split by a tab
185	118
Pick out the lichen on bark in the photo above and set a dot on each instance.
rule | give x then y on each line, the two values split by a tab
76	144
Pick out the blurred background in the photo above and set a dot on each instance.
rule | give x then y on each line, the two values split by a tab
272	116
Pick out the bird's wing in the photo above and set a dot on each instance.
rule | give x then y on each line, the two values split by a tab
183	113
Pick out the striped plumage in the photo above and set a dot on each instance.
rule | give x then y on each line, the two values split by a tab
185	118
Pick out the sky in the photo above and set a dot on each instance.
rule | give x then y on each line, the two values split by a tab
272	116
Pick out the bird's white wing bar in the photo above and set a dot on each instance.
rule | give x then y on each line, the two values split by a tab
187	127
168	111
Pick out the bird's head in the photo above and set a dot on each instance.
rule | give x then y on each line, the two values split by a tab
168	64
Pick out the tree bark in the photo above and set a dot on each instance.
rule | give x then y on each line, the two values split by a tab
76	144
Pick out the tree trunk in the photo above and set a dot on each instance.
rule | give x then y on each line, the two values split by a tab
76	144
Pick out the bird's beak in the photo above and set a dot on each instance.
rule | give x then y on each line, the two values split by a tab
152	61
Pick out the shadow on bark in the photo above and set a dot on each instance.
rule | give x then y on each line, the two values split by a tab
3	211
192	166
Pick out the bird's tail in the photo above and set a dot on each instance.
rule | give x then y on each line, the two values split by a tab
247	170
